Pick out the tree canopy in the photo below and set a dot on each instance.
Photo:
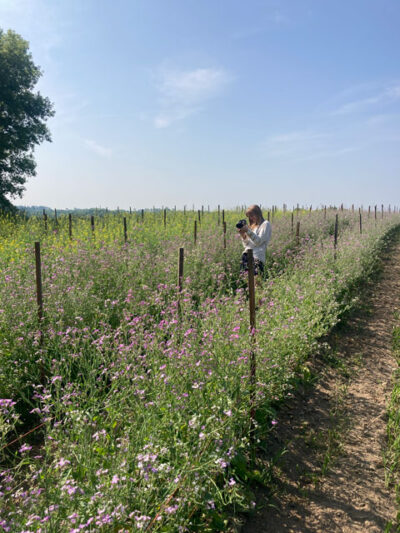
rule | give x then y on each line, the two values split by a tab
23	115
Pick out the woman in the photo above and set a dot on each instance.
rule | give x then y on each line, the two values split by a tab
255	236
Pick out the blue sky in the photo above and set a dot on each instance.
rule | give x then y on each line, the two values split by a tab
173	102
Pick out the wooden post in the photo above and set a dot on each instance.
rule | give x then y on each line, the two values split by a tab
45	220
352	208
92	224
336	234
292	221
360	221
199	216
218	215
325	212
224	225
375	213
298	232
195	231
180	269
180	279
39	292
268	216
252	309
70	225
142	215
55	217
223	216
202	211
165	218
382	210
369	211
125	231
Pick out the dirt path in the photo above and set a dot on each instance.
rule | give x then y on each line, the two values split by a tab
332	476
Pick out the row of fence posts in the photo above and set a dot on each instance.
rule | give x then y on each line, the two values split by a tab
196	222
251	293
201	214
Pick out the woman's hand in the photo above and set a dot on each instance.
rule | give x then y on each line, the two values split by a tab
243	231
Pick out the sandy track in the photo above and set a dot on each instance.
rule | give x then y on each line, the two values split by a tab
332	477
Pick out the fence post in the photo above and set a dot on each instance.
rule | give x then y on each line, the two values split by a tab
224	235
360	221
292	221
39	300
382	210
39	293
70	225
125	231
142	215
92	224
45	220
268	216
223	216
199	215
252	309
298	232
180	278
336	235
375	213
195	231
325	212
165	218
218	215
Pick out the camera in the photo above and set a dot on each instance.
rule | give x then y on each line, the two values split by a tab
241	223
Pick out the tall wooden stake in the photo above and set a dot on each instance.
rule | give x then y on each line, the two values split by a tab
336	234
224	235
125	231
195	231
298	232
252	309
70	225
180	278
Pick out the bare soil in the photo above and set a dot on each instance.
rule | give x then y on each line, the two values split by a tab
331	477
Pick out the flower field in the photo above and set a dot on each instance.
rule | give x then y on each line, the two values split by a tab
139	396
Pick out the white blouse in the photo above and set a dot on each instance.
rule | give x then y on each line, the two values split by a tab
258	240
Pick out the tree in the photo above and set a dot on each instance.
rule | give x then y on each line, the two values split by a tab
22	116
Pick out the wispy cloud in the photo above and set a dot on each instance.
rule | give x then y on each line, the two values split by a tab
185	92
294	143
102	151
306	145
382	97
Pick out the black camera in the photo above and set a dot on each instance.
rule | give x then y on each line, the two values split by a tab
241	223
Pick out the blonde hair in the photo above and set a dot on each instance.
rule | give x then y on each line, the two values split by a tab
255	210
